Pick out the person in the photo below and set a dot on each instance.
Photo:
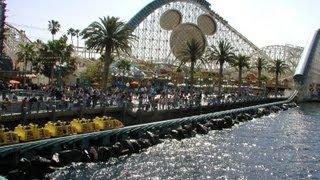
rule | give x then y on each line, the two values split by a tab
14	98
39	103
94	98
32	101
49	104
140	102
5	104
24	105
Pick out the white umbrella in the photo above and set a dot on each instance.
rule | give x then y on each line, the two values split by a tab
179	85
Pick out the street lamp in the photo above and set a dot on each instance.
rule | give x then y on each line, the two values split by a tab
59	67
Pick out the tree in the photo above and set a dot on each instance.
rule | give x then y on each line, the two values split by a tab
278	67
72	33
93	72
38	44
53	27
108	36
56	51
25	54
260	64
77	32
191	53
240	62
6	63
123	65
221	54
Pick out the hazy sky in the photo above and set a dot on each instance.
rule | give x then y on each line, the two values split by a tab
264	22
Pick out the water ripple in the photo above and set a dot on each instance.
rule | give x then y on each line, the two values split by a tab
280	146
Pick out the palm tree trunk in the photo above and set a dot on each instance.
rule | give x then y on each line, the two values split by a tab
277	84
220	79
52	37
71	39
191	77
77	41
107	62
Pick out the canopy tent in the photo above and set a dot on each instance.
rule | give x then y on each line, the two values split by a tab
14	82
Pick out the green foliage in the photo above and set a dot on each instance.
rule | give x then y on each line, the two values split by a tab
221	54
53	27
108	36
264	78
110	32
71	32
53	52
278	67
93	72
77	32
191	54
6	63
241	61
123	65
261	63
26	53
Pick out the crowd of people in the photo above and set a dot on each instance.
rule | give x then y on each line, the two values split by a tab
141	98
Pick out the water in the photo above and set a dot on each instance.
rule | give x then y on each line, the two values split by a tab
280	146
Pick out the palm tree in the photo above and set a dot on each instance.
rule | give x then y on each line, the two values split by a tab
72	33
53	27
260	64
191	54
25	54
240	62
221	54
108	36
77	32
38	43
278	67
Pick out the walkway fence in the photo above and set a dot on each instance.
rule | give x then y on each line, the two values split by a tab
21	108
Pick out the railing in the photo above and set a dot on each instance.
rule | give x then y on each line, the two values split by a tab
24	93
19	108
16	108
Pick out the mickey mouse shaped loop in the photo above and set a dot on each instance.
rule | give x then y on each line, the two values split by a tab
182	33
170	19
207	24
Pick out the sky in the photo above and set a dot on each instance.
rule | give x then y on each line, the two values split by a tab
263	22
